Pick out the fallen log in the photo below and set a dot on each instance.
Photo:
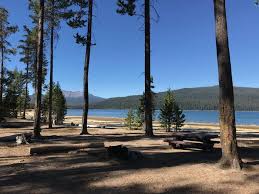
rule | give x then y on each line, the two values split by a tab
190	145
63	148
203	137
26	150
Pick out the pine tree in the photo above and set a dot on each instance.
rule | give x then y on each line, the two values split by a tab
23	101
28	56
40	54
6	30
140	112
129	7
230	157
130	119
34	7
14	93
59	104
79	20
178	118
56	11
167	115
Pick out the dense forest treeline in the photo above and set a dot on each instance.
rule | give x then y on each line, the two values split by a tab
203	98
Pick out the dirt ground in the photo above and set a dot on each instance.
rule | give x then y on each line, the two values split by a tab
162	170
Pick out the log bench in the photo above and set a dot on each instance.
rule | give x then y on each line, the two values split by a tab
192	140
48	149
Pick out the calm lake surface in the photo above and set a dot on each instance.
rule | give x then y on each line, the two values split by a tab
242	117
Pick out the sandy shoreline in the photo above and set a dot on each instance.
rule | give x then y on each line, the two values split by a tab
114	120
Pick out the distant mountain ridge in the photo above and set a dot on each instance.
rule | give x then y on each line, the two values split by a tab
71	94
201	98
76	98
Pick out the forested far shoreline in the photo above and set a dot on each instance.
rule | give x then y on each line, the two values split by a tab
202	98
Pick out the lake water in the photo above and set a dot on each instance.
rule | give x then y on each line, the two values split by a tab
242	117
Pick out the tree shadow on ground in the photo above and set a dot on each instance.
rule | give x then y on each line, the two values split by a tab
54	174
28	177
79	173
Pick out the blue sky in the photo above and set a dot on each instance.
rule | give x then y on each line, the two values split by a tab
183	47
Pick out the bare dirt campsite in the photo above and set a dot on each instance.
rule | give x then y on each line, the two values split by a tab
162	169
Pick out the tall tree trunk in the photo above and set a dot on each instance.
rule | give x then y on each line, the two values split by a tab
37	109
148	96
26	91
35	68
230	157
86	67
51	65
2	79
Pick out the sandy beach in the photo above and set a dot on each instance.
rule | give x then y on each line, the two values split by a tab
95	120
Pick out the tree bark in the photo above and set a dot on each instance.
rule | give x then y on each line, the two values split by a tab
230	157
35	67
38	94
148	96
86	67
51	65
2	79
26	91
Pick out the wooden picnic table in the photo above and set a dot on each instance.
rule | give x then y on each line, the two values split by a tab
181	140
